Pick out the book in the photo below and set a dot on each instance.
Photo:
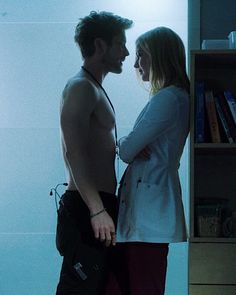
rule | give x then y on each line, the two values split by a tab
212	117
223	120
228	117
231	103
199	112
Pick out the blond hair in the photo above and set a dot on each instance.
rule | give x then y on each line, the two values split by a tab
168	60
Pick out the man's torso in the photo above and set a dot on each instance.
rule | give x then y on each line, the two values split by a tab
100	145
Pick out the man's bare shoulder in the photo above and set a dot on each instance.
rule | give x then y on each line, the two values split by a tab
79	95
80	87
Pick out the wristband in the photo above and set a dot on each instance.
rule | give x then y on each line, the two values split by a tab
99	212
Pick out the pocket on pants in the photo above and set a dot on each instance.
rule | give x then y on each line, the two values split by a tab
65	231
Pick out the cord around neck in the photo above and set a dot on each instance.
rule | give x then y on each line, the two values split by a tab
100	85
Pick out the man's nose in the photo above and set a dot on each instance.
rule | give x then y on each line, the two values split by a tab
126	51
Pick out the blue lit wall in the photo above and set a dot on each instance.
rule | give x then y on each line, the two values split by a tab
37	55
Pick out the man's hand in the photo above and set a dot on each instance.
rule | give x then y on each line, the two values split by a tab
104	228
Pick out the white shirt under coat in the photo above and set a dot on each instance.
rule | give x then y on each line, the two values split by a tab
151	208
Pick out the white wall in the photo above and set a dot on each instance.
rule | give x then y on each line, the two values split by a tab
37	55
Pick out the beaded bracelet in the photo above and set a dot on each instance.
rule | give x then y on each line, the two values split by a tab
99	212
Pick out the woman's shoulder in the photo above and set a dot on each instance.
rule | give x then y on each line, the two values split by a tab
171	92
172	89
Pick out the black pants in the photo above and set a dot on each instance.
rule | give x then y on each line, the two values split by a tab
85	265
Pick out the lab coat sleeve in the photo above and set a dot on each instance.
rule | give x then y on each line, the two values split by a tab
159	116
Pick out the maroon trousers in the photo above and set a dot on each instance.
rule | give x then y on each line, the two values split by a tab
139	269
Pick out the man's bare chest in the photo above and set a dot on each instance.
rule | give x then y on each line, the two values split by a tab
103	115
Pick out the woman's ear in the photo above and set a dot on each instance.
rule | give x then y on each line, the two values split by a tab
100	46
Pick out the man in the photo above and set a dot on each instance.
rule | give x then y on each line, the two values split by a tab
87	209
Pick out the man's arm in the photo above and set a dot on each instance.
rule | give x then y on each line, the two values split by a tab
78	105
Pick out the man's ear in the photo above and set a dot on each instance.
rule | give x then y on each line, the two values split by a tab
100	46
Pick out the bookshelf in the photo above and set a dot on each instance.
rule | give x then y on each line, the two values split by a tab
212	242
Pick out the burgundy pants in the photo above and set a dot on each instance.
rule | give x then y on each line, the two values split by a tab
139	269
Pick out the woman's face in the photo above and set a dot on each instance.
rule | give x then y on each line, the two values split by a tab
143	63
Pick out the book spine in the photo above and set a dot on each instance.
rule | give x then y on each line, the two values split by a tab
212	117
199	113
231	103
228	117
223	120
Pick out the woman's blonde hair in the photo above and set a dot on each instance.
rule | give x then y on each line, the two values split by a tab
168	60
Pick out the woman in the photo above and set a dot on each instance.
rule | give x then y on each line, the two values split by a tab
151	211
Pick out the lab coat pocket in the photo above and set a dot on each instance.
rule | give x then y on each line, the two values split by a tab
152	208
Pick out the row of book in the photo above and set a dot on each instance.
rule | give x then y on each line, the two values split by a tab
215	115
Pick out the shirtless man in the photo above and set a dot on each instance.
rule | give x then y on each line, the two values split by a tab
87	127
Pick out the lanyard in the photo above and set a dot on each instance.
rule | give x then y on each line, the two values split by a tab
99	84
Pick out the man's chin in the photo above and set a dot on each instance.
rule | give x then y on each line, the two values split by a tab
116	70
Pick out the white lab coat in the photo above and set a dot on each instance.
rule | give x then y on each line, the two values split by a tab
151	208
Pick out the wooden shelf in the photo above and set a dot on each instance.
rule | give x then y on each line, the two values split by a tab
220	59
211	240
212	182
206	148
215	145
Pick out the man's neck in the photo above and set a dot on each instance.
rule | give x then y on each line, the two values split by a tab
96	70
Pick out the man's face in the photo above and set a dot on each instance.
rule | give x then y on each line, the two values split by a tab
116	54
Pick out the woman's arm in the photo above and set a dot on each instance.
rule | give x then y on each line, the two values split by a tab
158	118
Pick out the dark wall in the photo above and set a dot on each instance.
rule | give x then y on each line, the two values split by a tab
210	19
217	18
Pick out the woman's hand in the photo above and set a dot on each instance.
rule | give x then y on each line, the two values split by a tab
144	154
